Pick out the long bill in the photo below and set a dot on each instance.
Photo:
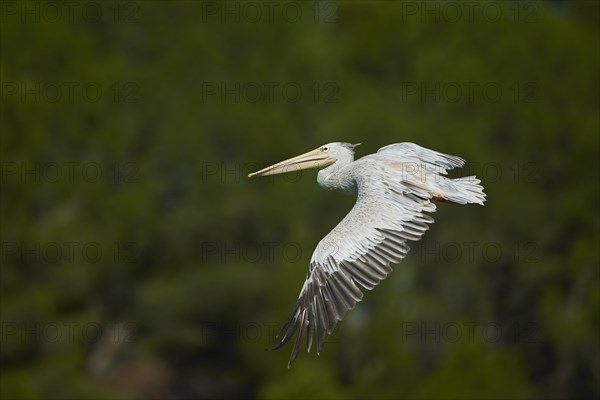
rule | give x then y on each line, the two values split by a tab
313	159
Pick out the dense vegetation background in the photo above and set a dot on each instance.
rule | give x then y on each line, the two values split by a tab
139	262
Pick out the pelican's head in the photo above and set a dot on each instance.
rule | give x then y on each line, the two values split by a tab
321	157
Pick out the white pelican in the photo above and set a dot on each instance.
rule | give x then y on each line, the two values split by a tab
395	187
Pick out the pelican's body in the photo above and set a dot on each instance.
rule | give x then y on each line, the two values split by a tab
395	187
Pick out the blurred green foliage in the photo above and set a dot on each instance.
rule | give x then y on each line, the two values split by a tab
139	262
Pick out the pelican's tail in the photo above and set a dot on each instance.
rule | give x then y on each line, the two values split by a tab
463	190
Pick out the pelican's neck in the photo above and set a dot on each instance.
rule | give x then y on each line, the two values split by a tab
337	176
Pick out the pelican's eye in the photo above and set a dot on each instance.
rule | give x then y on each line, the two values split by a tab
325	148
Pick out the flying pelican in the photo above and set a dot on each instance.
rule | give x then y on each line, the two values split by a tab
395	187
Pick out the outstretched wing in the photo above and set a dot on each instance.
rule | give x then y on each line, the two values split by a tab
389	211
413	154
